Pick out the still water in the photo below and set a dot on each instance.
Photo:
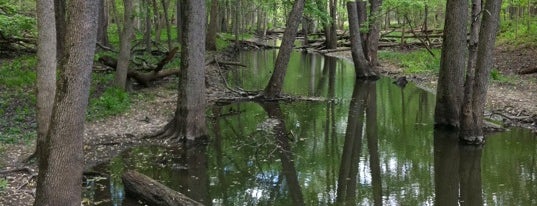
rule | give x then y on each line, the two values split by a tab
370	143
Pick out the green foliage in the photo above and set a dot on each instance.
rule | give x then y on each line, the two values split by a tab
19	74
112	102
498	77
13	22
418	61
3	184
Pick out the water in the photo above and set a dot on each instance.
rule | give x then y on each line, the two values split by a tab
381	151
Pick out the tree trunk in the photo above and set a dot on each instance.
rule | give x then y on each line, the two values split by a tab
180	17
60	167
46	70
362	19
487	39
468	124
362	68
125	46
332	43
449	91
165	4
275	85
189	119
211	33
374	32
102	29
59	15
147	32
152	192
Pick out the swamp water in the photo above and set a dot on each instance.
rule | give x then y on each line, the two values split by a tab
370	143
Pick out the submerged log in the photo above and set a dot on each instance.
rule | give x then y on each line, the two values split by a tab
152	192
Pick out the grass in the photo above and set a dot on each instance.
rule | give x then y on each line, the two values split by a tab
113	101
3	184
518	36
414	62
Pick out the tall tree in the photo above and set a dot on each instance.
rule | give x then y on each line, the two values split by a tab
213	22
275	85
362	68
332	38
46	69
449	92
487	40
102	29
59	15
61	165
374	32
189	119
125	45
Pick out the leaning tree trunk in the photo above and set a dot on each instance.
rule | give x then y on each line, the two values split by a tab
468	123
275	85
449	92
61	166
189	119
46	70
125	46
487	39
361	66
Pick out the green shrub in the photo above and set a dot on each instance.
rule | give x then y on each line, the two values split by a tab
113	101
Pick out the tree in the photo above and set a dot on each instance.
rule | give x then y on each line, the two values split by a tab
211	33
189	119
102	29
62	162
332	29
125	46
46	69
362	68
373	35
452	63
275	85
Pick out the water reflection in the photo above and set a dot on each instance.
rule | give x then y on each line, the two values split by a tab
313	153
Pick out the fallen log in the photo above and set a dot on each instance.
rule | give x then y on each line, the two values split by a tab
145	79
152	192
528	71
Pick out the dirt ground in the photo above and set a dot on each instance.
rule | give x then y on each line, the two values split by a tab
511	102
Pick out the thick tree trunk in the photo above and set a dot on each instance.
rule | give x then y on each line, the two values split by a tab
62	163
468	123
189	119
125	46
449	91
211	33
487	39
374	32
46	70
362	68
152	192
275	84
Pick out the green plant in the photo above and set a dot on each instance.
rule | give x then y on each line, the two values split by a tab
498	77
112	102
418	61
19	73
3	184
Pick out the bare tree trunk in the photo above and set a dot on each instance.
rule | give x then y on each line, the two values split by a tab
102	32
60	167
59	15
374	32
275	85
189	119
180	18
362	68
449	92
468	123
332	43
125	46
211	33
158	21
165	4
487	39
362	19
46	70
147	32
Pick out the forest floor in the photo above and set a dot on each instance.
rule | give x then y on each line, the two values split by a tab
512	100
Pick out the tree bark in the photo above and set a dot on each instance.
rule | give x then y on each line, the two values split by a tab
125	46
449	91
147	32
468	123
59	15
152	192
275	84
332	43
373	35
46	70
487	39
361	66
102	29
211	33
189	119
165	4
62	164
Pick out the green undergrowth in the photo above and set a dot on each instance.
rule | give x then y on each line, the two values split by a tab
498	77
520	35
112	101
414	62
